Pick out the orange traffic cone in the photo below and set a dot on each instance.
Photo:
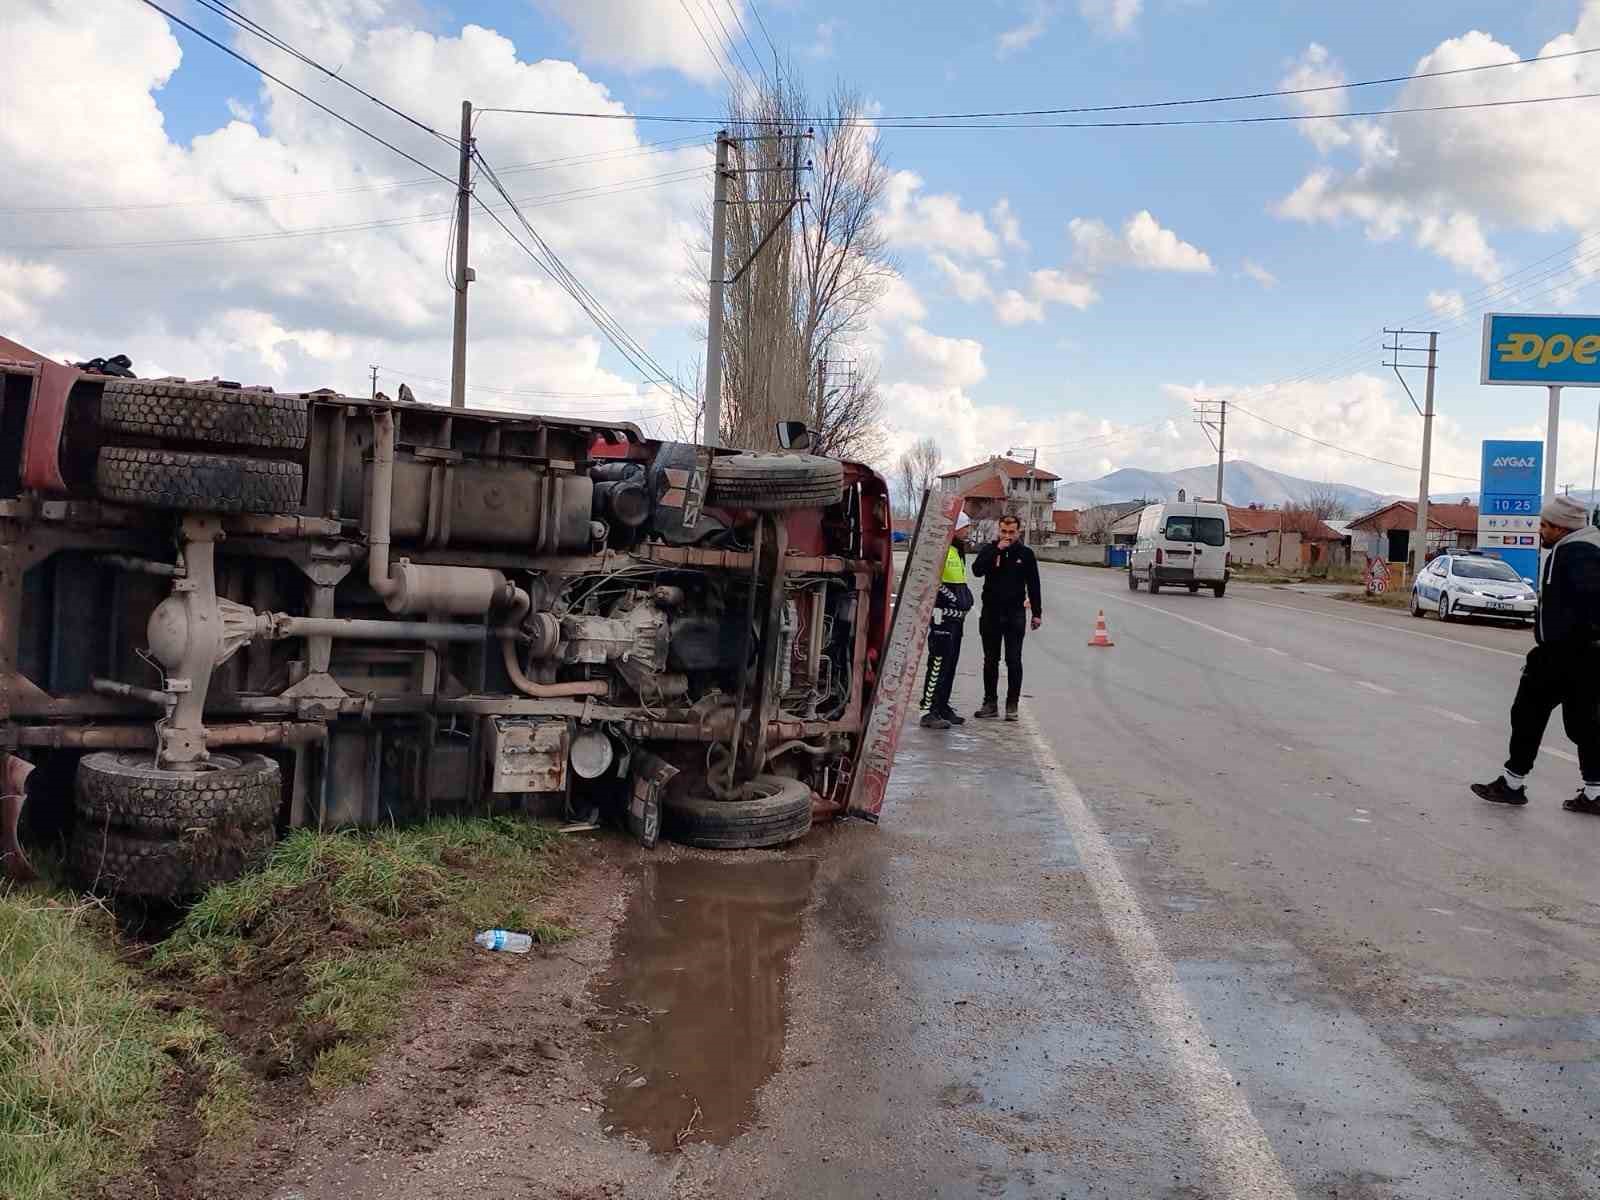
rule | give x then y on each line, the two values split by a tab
1101	637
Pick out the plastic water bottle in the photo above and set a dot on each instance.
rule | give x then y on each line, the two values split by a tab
503	939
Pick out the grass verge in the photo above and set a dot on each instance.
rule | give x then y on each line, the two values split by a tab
291	975
312	959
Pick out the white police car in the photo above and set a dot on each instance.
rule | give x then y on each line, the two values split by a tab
1470	583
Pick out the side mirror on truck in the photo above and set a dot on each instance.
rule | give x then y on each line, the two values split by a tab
793	435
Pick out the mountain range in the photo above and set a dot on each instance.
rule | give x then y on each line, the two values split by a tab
1244	484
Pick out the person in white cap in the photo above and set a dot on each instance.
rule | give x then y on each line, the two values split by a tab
950	610
1563	668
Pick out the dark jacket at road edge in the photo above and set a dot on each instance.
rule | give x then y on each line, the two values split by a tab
1009	576
1569	600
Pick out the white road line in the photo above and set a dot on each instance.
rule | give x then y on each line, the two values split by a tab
1372	687
1317	667
1451	716
1275	650
1562	754
1229	1136
1403	631
1167	612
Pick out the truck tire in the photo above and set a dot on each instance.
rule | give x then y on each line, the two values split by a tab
110	860
212	416
220	483
775	482
779	811
127	791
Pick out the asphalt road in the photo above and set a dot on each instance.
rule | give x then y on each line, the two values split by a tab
1218	918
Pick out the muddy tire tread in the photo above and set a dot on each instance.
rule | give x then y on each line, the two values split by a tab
767	821
213	416
775	482
192	481
127	792
164	868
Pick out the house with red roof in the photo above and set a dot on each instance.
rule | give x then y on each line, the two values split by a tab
1005	487
1387	533
1289	538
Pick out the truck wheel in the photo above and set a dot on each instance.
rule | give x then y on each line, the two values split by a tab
213	416
1194	589
775	482
1219	589
107	859
777	811
1133	581
126	790
222	483
1155	588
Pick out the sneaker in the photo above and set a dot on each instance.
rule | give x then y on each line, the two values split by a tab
931	720
988	712
1501	792
1011	710
950	714
1581	803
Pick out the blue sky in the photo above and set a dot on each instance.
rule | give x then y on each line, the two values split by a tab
1268	253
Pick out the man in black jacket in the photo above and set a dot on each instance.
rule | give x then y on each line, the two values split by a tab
1010	575
1564	665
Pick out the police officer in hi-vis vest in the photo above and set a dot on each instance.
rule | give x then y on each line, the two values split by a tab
950	610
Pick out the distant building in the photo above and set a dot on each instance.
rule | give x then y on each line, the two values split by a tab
1067	528
1387	533
1005	487
1291	539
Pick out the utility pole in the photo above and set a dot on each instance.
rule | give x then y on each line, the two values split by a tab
711	434
1419	555
374	381
464	273
822	385
1212	417
1033	462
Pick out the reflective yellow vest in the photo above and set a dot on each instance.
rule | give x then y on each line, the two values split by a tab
955	571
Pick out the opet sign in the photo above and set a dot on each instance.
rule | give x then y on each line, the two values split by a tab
1533	348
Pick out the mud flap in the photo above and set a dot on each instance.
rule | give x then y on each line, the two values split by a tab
650	778
897	674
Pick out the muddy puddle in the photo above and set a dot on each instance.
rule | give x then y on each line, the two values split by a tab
691	1011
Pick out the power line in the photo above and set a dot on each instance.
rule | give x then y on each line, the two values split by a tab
228	13
257	67
733	8
730	43
1280	93
756	13
620	152
1234	404
646	183
705	41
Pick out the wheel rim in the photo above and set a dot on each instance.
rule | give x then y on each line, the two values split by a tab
1444	608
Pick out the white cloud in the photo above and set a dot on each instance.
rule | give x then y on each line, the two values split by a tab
308	311
1020	37
1449	179
1013	308
1009	226
1450	305
1143	243
643	35
1060	287
1260	274
822	47
968	283
946	361
1111	18
899	302
911	217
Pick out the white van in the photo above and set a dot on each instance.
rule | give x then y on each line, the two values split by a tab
1183	543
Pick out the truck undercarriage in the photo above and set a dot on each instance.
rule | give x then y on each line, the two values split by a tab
227	611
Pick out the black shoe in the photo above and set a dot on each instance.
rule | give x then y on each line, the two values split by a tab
1011	710
1501	792
932	720
1581	803
988	712
950	714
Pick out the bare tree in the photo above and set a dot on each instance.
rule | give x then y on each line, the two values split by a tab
1094	525
916	472
1325	503
810	259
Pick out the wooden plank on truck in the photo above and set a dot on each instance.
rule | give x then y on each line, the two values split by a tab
908	634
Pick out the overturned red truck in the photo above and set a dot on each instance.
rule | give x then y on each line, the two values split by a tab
227	611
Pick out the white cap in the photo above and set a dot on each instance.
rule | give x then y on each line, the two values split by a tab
1565	512
962	520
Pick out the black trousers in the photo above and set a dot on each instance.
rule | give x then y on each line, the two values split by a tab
1005	629
1564	675
944	652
